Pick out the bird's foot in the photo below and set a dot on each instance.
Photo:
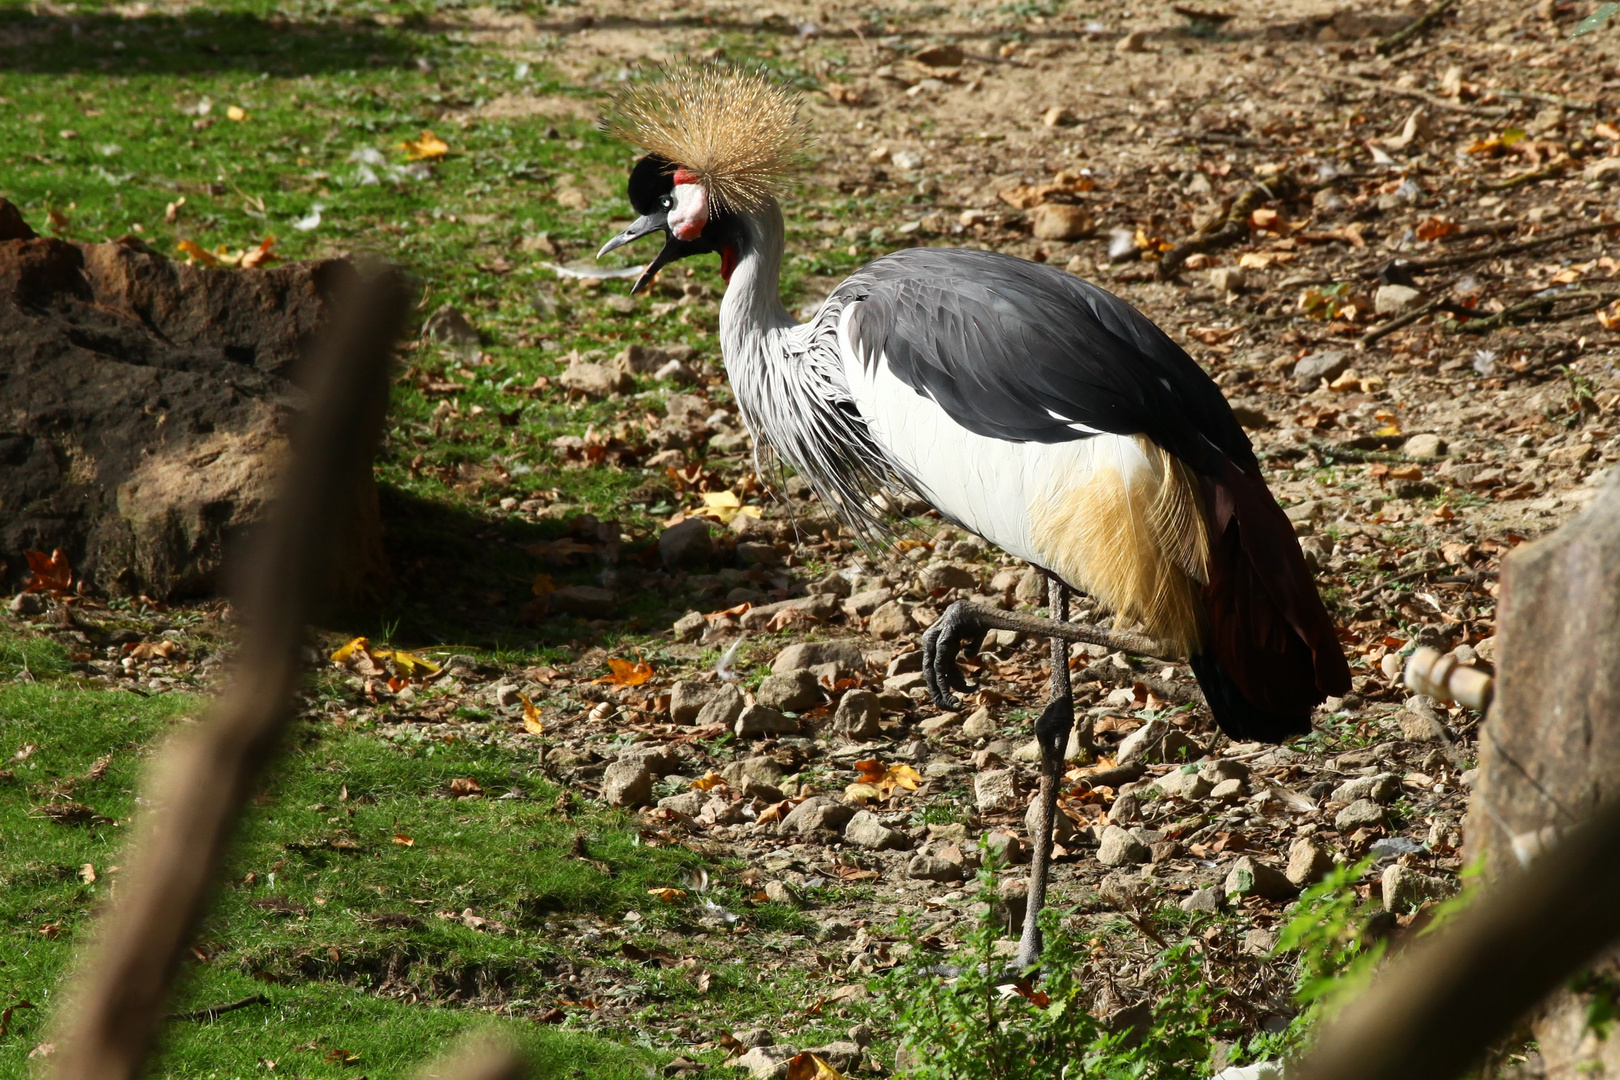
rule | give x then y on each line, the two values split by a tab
940	644
1028	955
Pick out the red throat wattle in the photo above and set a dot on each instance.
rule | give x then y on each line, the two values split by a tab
728	262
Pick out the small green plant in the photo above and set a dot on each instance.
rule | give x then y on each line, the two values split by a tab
1328	932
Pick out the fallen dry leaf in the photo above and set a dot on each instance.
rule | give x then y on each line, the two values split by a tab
531	716
236	113
404	841
425	148
51	572
808	1066
667	895
465	785
626	672
879	781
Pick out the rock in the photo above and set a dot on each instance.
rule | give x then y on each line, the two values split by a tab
933	868
863	603
819	606
781	892
451	326
1228	279
686	544
934	725
766	1062
1405	888
1251	878
1395	299
857	715
834	584
1424	446
1133	42
1062	221
506	695
25	603
1155	741
995	791
1058	116
1031	588
1119	848
1419	723
846	656
1604	169
1205	899
595	380
687	698
1308	862
1311	370
790	691
1380	788
941	56
842	1056
1185	785
1009	850
906	160
748	1038
1361	814
583	601
980	725
723	709
640	359
865	830
97	341
687	803
817	814
1227	791
890	621
1219	769
756	720
627	782
1259	942
943	577
690	627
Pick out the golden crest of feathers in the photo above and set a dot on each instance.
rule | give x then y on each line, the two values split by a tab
737	131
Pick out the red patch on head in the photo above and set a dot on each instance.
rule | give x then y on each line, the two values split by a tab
684	176
728	262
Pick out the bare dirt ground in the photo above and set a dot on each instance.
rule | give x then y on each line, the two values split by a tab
1468	175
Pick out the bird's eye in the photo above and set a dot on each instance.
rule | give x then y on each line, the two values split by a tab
666	202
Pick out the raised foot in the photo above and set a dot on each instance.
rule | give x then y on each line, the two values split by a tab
940	645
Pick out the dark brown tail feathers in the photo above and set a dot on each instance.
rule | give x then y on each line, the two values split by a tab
1271	653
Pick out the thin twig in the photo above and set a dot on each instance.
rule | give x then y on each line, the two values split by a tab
202	780
1421	266
1232	227
1415	28
1400	321
1540	304
216	1011
1547	99
1417	95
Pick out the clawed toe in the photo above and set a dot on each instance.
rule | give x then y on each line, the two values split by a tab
941	643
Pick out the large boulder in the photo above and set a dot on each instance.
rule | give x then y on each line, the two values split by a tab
146	405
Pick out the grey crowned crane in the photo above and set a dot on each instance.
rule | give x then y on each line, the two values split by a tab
1026	405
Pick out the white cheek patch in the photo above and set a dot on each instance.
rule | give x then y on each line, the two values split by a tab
690	213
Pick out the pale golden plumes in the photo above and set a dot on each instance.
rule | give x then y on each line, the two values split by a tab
737	131
1139	546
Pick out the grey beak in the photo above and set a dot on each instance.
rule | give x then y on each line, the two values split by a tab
642	226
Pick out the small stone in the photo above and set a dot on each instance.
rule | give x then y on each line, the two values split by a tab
890	621
817	814
1155	741
686	544
906	160
1424	446
1012	904
748	1038
690	627
26	603
933	868
1259	942
1220	769
904	684
627	782
1185	785
834	584
943	577
865	830
1604	169
687	803
1311	370
595	380
448	324
857	715
1227	791
842	1056
507	695
781	892
1361	814
1380	788
934	725
756	720
1228	279
1405	888
1395	299
790	691
1133	42
996	791
585	601
1250	878
1031	588
846	656
1009	850
863	603
687	698
979	725
723	709
1062	221
1118	848
1308	862
1057	116
1203	900
766	1062
1419	723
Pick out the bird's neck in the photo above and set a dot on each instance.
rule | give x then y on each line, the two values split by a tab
751	311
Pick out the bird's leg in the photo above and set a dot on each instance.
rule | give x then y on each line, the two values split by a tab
963	623
1052	733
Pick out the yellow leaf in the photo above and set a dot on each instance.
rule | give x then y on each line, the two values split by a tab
411	662
721	500
808	1066
427	147
708	781
531	716
404	841
667	895
862	792
626	673
904	776
359	644
878	781
195	253
237	113
260	255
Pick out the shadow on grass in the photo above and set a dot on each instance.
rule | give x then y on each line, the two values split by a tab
192	43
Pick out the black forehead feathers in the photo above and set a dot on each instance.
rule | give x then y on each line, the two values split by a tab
652	178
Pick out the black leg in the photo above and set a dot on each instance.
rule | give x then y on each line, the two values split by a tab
1052	733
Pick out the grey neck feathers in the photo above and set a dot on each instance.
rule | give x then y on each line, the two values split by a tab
751	313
